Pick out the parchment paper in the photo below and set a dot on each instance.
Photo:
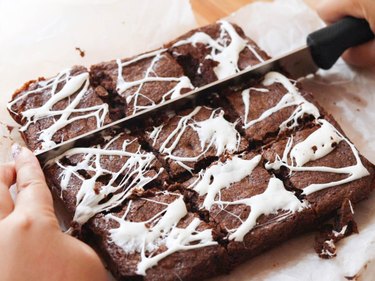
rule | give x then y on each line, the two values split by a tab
40	39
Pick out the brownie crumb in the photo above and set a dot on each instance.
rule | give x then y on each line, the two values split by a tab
81	52
329	234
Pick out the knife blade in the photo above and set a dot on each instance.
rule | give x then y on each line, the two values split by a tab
322	50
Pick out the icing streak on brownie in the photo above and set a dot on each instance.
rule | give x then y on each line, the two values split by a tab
142	81
194	136
57	109
105	174
215	51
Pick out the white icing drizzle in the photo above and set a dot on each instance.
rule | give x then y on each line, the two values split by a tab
161	230
351	207
272	200
131	175
149	76
222	175
155	133
291	98
213	132
224	52
322	141
73	84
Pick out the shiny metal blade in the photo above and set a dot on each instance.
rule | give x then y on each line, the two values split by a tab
297	63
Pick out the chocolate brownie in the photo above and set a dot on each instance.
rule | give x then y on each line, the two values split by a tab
95	179
271	106
324	165
145	80
288	168
191	139
214	52
250	204
58	109
154	236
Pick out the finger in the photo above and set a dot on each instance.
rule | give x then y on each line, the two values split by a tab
362	55
7	178
333	10
32	191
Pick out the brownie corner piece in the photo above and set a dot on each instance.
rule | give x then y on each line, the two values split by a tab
324	165
214	52
142	81
162	239
57	109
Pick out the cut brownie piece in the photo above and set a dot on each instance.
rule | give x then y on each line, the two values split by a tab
250	204
324	165
95	179
192	139
142	81
58	109
214	52
155	237
273	105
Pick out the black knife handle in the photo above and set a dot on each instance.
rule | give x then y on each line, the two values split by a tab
328	44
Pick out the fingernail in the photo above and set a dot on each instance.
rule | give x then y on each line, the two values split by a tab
16	150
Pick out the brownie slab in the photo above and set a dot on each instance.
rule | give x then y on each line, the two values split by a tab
324	165
155	237
58	109
191	139
287	169
214	52
271	106
142	81
95	179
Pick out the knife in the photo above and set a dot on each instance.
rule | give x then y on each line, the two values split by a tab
322	50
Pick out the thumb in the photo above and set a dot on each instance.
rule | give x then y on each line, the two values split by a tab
33	194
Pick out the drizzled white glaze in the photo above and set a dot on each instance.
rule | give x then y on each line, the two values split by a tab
161	230
78	85
272	200
291	98
131	175
322	141
222	51
223	175
150	75
214	132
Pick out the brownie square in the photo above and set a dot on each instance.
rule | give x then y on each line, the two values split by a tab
272	105
98	178
154	237
144	81
191	139
251	205
58	109
214	52
324	165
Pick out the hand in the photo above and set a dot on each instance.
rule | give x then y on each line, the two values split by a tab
32	247
332	10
